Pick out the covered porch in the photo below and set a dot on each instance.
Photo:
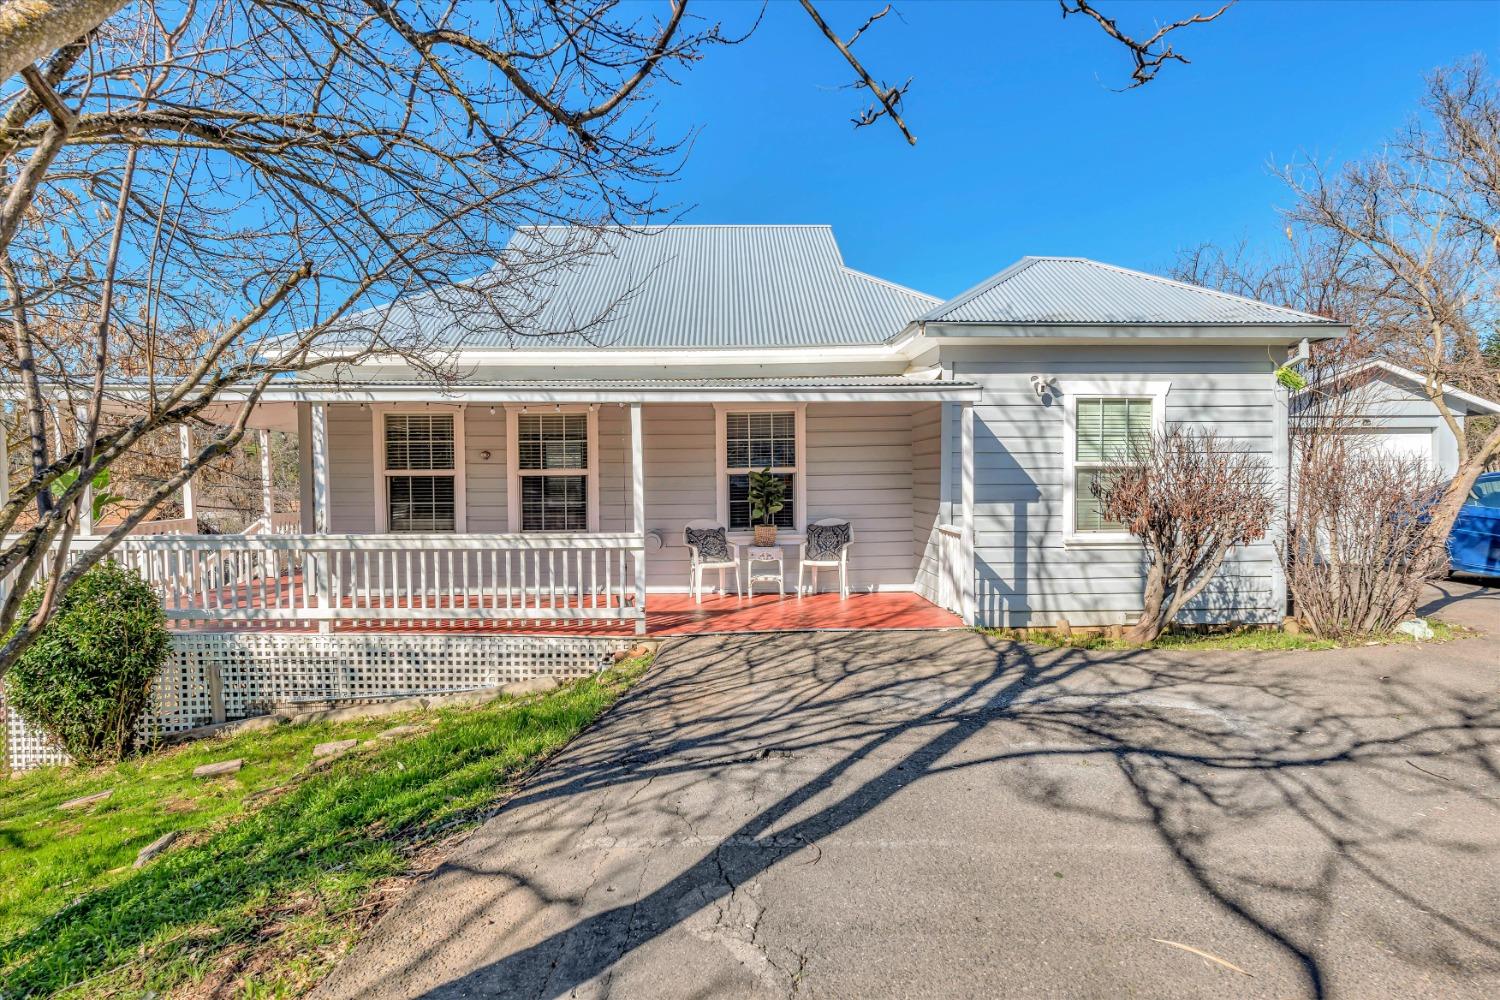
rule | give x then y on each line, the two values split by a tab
558	507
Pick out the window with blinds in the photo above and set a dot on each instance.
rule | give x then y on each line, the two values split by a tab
420	480
552	452
1107	430
756	441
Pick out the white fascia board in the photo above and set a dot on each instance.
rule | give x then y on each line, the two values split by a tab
597	357
930	391
915	391
996	333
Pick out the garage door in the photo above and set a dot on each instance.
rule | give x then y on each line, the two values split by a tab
1402	444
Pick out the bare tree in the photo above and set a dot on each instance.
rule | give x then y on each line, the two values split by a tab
245	169
1190	497
1358	549
1419	224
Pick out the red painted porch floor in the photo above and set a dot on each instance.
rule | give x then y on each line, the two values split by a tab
679	614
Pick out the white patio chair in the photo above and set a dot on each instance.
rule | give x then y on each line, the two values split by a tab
697	563
825	560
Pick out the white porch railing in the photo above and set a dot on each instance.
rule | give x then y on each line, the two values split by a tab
168	526
270	579
285	523
950	567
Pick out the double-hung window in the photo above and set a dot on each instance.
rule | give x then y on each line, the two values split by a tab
421	475
755	441
1106	430
553	469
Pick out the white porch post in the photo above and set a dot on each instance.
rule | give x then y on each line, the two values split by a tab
267	502
4	460
966	513
320	468
86	508
638	512
189	502
322	571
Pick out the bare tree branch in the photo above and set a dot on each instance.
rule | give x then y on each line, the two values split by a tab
1150	54
888	98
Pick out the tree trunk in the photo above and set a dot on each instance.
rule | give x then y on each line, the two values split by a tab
34	29
1153	619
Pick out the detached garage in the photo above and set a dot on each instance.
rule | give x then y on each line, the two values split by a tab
1387	408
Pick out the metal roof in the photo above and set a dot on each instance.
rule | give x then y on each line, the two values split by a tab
1075	291
1332	381
680	286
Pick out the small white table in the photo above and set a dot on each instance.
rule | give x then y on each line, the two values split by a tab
770	555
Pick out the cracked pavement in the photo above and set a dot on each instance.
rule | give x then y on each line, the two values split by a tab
947	815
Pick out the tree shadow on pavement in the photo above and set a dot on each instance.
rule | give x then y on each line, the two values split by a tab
1225	759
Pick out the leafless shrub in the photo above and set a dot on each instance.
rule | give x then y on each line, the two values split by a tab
1359	544
1190	497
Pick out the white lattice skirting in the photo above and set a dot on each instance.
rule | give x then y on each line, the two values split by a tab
215	676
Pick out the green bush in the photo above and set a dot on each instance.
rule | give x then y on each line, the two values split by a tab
87	678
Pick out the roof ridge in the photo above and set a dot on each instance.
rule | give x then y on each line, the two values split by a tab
1175	283
856	272
1003	275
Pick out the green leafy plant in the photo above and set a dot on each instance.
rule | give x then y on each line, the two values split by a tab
1290	378
87	678
103	498
767	496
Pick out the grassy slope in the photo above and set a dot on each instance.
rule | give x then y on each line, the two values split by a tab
266	889
1268	640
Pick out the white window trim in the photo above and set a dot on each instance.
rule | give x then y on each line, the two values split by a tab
378	414
1072	390
721	462
513	413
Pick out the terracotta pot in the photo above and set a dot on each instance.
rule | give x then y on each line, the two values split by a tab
765	534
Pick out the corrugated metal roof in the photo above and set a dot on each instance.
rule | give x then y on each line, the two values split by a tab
681	286
1078	291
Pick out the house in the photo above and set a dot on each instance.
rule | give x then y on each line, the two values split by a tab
455	531
1388	408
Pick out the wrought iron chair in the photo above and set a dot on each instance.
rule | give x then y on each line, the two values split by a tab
698	561
827	549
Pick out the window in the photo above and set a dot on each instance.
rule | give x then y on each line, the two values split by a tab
1486	493
753	441
1103	420
1108	430
420	472
553	457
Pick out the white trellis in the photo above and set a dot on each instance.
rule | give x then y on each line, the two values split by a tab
218	676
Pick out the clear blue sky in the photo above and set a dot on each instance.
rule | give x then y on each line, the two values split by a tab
1023	147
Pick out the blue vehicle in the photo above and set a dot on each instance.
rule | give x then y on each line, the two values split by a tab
1474	544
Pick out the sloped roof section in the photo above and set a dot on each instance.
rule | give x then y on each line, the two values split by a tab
1075	291
681	286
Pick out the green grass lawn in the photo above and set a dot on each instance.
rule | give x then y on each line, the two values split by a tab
271	881
1268	640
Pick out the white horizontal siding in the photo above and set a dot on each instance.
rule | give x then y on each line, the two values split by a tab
858	462
1025	575
351	469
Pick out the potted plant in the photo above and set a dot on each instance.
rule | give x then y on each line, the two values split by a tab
767	498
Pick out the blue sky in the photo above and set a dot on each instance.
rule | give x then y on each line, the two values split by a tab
1023	147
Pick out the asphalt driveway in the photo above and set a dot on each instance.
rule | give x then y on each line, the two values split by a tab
945	815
